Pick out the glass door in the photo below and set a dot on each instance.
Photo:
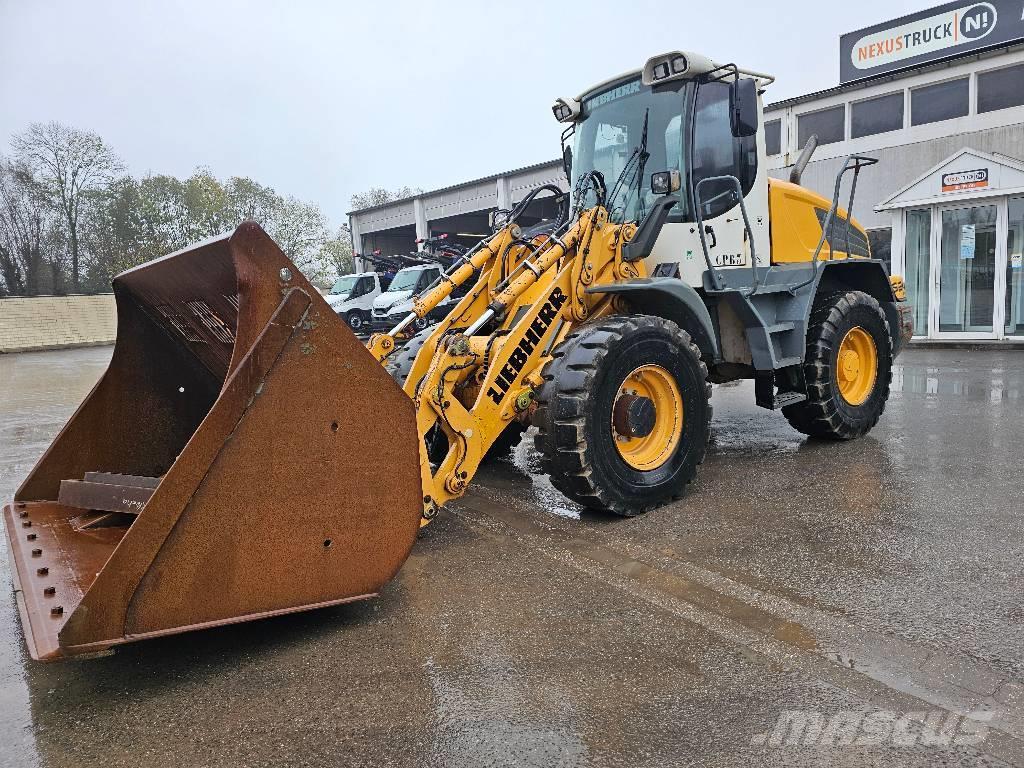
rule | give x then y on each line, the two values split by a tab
967	271
917	265
1014	267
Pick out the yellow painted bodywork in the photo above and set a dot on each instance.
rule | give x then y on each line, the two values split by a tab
654	449
899	287
795	229
471	387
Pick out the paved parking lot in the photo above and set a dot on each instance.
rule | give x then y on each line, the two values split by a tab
806	603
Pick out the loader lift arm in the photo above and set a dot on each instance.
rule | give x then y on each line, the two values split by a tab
481	367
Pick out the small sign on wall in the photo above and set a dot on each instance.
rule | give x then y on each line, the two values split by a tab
967	238
960	180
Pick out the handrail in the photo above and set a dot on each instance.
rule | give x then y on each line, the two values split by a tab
854	163
738	191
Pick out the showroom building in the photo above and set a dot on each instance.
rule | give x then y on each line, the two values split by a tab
937	97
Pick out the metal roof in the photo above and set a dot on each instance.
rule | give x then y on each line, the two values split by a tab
460	185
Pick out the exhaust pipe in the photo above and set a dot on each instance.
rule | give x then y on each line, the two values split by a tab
804	159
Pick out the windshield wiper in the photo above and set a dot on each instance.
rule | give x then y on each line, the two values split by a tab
639	153
644	155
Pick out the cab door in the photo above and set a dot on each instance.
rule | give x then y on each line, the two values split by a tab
716	152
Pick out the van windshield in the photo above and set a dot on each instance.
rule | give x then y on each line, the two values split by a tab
344	285
404	280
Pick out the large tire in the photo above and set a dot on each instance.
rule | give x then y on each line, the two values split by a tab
400	363
399	366
578	415
849	318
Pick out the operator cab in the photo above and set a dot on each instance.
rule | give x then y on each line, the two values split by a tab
664	129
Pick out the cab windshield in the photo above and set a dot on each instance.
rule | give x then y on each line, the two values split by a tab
610	139
404	280
344	285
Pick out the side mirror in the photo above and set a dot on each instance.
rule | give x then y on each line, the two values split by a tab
567	162
743	107
665	182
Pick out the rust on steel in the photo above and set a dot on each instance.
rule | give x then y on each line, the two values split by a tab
244	417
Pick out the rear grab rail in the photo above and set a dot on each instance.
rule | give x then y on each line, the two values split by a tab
852	163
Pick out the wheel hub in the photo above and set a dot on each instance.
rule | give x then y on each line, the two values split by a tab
849	366
856	366
647	417
634	416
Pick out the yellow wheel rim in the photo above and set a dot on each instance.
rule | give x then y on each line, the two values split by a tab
650	449
857	366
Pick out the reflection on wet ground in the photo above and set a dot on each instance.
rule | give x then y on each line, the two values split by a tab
877	576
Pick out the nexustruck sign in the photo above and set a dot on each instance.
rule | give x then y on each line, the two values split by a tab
938	33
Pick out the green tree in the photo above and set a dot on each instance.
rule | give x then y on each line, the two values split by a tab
337	253
375	196
301	230
247	199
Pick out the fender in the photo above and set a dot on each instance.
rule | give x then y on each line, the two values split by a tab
672	299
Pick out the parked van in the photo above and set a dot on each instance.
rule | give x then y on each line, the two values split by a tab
393	304
352	298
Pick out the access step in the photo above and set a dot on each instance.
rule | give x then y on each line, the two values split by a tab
765	394
782	399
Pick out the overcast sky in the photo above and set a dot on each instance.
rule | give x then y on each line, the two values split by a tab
322	99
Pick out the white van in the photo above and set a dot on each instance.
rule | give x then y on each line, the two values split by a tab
352	298
393	304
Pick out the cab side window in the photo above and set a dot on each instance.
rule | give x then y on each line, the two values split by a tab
716	152
426	278
363	286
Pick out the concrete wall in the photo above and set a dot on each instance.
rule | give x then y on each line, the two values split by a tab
53	322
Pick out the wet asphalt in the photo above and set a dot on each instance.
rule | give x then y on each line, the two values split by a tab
876	583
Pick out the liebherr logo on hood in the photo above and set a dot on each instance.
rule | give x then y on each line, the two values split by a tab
933	34
522	351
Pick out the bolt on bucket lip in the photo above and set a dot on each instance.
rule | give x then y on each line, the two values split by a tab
52	571
235	463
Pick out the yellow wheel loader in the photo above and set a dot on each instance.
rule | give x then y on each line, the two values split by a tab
220	471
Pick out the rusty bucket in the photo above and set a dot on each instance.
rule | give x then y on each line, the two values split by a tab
242	456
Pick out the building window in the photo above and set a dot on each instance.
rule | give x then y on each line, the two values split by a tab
1001	88
881	245
879	115
829	125
773	137
942	101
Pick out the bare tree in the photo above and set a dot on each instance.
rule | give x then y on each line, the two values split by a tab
71	163
26	233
